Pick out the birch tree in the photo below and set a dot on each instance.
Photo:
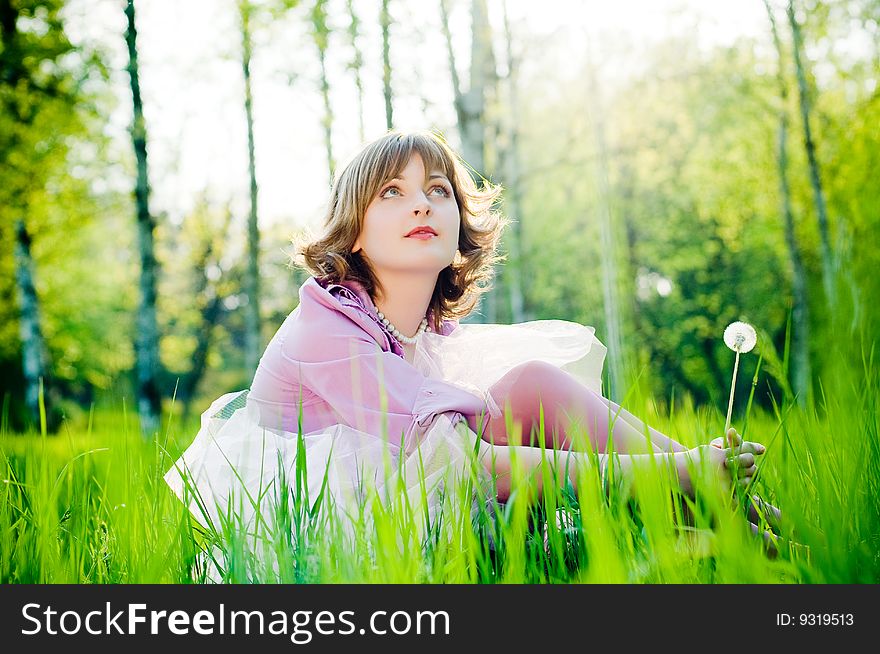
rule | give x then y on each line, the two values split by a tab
35	101
800	308
356	65
810	147
321	37
471	105
385	22
33	345
516	269
252	272
608	241
147	335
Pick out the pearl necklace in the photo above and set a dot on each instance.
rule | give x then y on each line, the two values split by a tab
397	333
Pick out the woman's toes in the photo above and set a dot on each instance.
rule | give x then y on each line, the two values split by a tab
768	539
758	508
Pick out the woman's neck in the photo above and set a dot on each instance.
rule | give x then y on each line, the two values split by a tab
406	299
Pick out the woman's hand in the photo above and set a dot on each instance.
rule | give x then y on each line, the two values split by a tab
736	464
735	440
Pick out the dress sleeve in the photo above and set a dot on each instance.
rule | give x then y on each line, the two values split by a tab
372	390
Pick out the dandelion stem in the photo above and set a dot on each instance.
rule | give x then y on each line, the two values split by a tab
730	402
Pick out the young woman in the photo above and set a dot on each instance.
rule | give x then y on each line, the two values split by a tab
382	382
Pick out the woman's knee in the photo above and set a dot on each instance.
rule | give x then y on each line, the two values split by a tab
527	380
540	369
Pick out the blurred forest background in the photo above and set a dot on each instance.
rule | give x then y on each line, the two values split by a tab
669	167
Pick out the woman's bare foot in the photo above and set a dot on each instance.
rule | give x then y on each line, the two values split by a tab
770	541
758	509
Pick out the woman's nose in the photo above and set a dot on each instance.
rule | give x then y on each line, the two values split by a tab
422	207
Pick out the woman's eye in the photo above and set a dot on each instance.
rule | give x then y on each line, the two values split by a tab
393	192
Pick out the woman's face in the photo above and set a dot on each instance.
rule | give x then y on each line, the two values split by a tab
415	198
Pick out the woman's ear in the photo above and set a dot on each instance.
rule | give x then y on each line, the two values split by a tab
356	246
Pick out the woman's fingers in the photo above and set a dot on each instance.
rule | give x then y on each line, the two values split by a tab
745	477
733	438
743	466
743	460
746	471
735	442
754	448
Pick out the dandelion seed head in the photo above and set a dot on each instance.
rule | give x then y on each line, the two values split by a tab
740	337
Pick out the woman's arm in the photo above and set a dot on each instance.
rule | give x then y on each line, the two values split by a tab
499	461
369	389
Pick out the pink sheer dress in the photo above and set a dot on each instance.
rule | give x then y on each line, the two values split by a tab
335	380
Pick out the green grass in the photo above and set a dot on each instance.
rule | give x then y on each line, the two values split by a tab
89	505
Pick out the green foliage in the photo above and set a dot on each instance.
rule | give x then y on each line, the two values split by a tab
694	181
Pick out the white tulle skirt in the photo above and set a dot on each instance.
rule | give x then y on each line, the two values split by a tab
238	474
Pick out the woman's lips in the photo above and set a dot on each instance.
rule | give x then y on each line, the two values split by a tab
422	236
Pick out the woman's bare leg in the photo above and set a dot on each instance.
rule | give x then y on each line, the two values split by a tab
660	440
527	387
498	460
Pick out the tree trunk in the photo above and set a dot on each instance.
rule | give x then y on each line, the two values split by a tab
627	186
320	33
147	340
385	21
212	309
33	347
470	106
473	102
252	274
13	72
608	249
356	65
800	374
815	178
516	267
210	316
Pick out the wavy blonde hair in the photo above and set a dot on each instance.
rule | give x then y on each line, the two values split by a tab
459	285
